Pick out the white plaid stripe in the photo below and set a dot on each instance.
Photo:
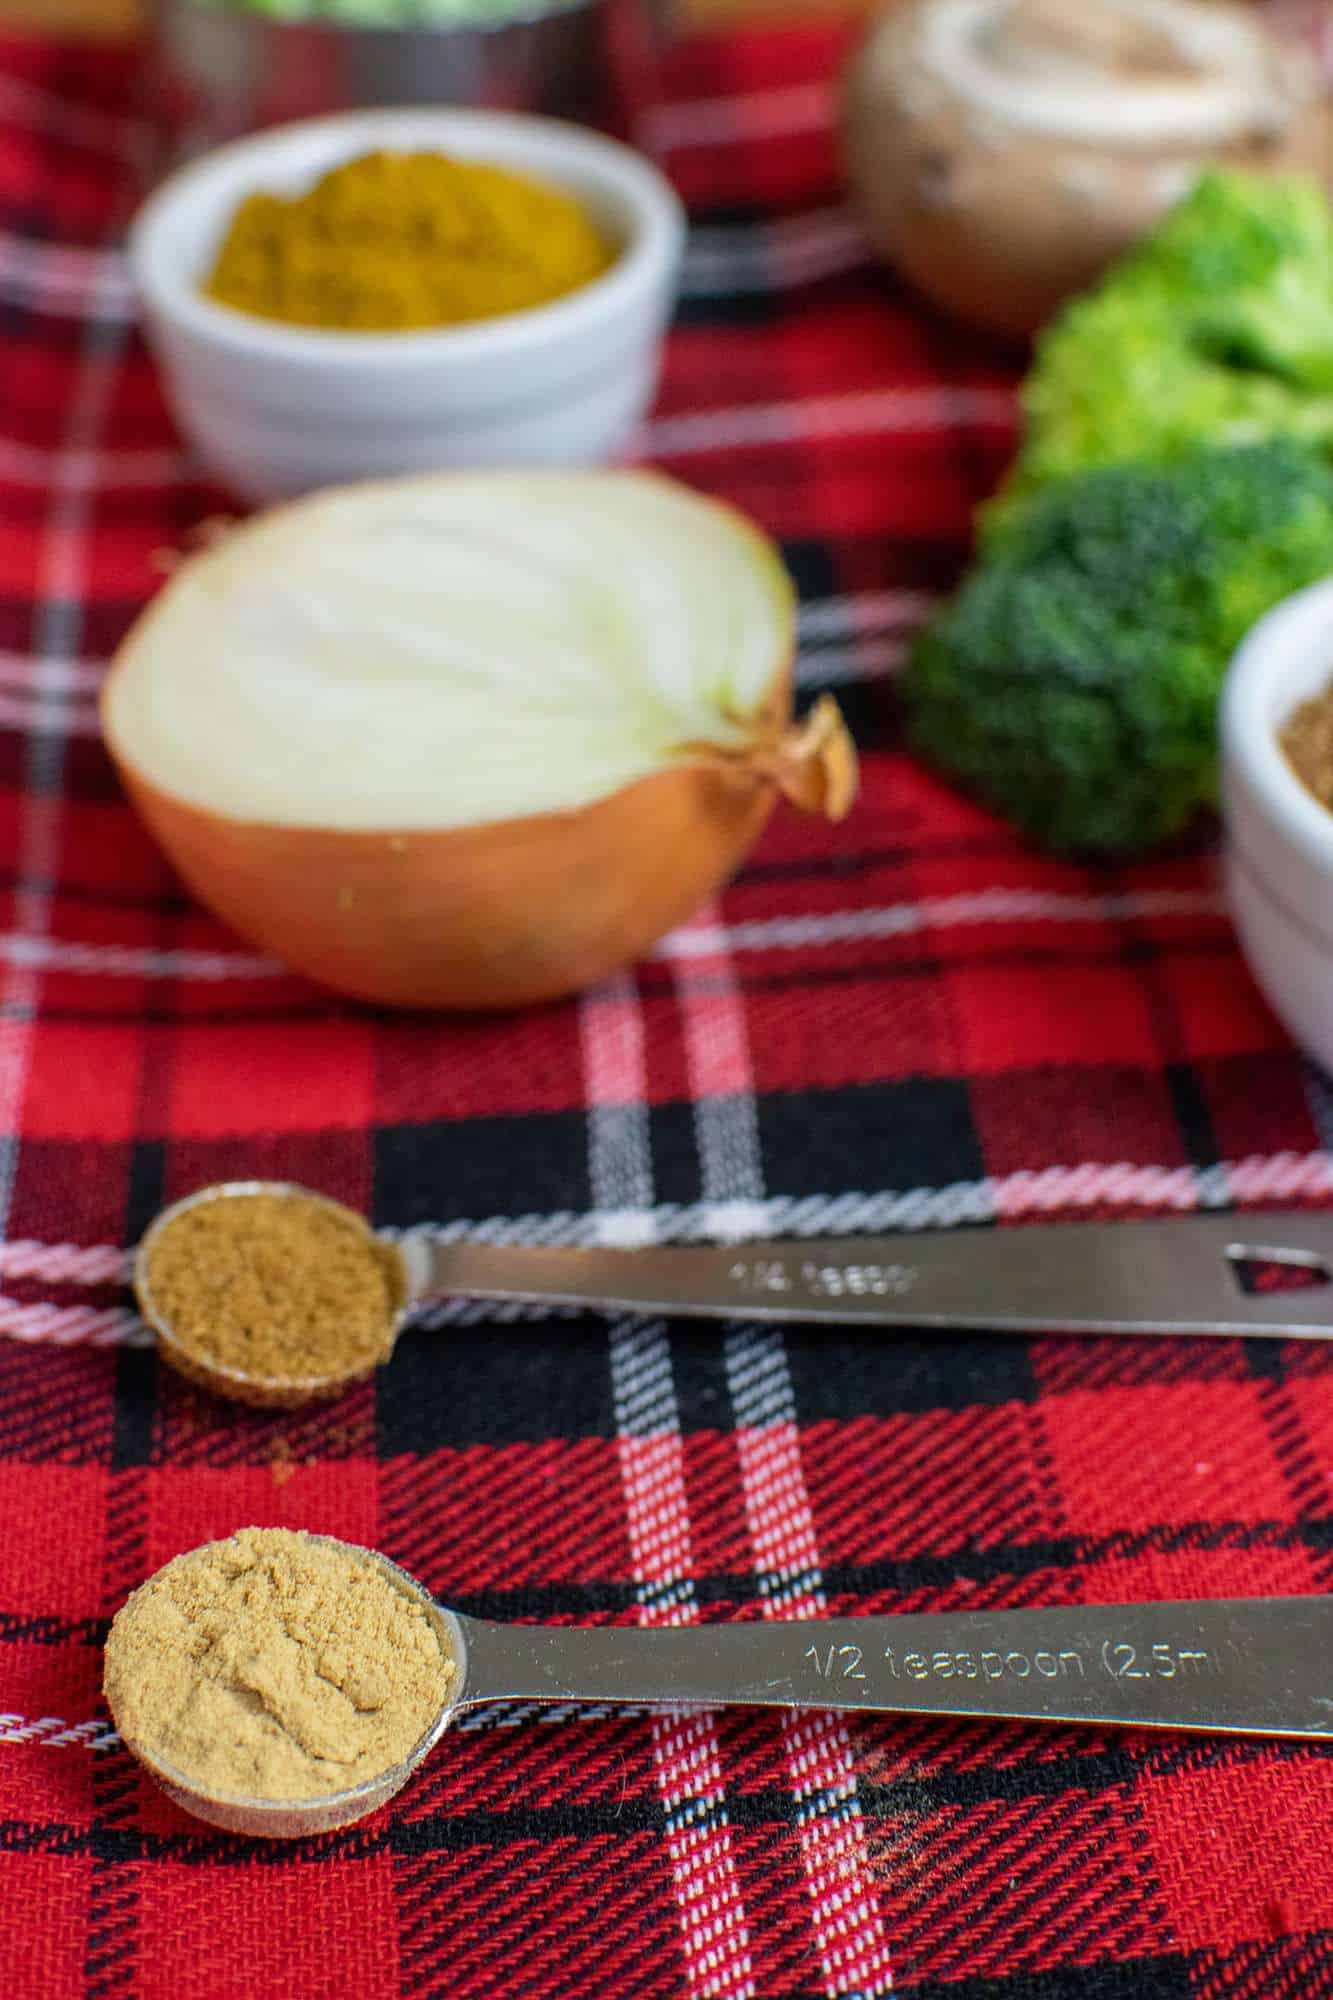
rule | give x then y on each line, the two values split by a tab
859	413
59	279
43	954
762	256
55	1734
863	614
853	1946
1256	1179
849	1933
713	1925
768	257
686	1754
30	465
982	906
694	944
868	413
66	680
40	715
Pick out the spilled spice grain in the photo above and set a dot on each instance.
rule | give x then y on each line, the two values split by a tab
275	1286
281	1463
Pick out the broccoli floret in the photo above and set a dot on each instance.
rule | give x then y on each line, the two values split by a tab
1073	682
1217	329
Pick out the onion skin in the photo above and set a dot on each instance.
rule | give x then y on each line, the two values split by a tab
490	916
504	911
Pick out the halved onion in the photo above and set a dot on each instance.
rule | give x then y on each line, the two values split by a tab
473	739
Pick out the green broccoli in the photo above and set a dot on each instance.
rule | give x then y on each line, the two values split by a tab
1073	682
1217	329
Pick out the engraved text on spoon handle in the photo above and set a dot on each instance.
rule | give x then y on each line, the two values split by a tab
1251	1666
1183	1275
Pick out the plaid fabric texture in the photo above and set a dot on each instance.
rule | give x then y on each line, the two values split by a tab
907	1020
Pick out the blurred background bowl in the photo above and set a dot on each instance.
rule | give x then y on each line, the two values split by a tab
219	72
275	410
1278	854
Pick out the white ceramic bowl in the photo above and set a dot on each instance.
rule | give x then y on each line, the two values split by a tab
276	410
1279	840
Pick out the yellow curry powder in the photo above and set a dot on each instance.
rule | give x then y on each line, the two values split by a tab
395	241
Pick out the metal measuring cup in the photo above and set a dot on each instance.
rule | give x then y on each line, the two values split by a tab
1148	1278
1250	1666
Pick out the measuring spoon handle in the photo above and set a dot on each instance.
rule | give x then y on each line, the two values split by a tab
1250	1666
1155	1277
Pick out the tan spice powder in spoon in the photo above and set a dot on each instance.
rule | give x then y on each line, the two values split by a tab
274	1665
273	1285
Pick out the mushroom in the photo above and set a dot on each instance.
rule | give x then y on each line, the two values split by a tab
1004	152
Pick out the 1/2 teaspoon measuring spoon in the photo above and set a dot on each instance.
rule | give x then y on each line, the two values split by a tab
1182	1276
1258	1666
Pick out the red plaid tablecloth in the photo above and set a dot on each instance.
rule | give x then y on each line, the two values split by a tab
904	1020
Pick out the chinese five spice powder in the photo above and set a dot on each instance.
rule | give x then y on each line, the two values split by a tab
275	1286
274	1665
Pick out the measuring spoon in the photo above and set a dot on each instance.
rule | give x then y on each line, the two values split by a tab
1259	1666
1182	1276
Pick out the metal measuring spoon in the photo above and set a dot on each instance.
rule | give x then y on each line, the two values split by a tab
1259	1666
1172	1277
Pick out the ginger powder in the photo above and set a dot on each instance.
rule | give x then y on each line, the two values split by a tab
279	1287
275	1665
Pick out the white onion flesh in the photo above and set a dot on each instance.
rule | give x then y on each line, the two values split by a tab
450	651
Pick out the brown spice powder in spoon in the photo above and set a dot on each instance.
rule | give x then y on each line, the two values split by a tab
273	1285
275	1665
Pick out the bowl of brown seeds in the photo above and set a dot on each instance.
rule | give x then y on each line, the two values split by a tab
1277	802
